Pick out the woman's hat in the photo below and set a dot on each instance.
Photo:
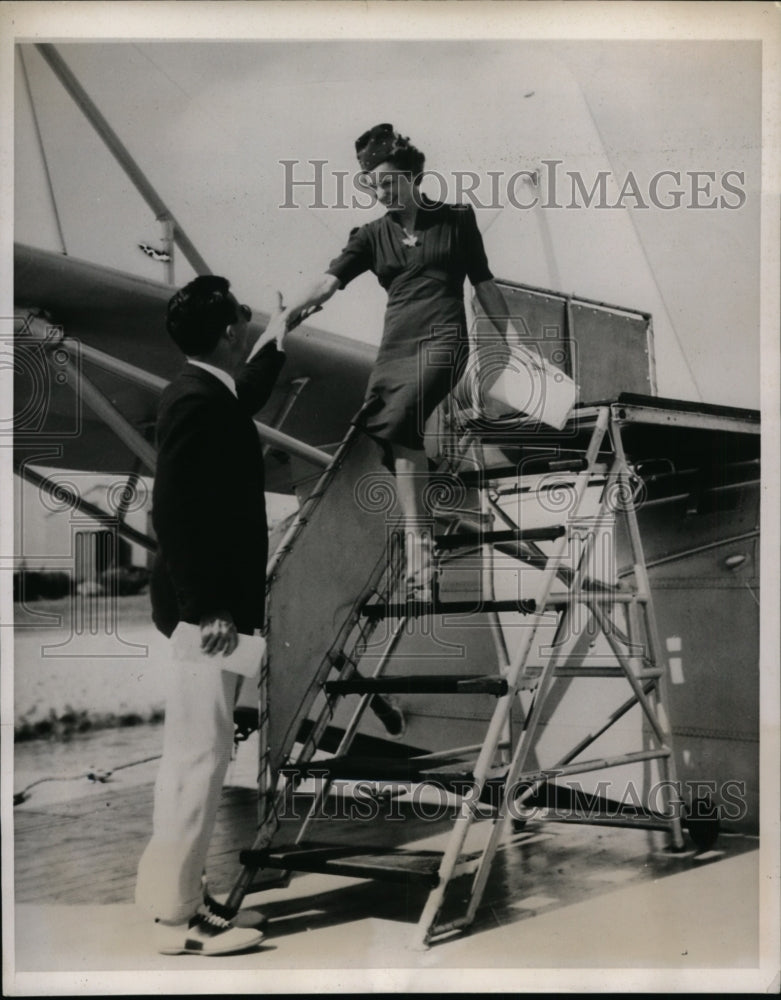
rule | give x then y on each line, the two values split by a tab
378	145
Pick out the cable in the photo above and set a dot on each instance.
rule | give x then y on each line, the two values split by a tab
94	775
43	151
160	70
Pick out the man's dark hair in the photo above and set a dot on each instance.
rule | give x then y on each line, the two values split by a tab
199	313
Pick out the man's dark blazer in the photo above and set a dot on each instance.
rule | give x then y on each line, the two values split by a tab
208	503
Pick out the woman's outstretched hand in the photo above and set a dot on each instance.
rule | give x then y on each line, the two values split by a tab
311	301
296	316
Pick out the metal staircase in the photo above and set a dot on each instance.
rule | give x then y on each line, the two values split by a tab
490	780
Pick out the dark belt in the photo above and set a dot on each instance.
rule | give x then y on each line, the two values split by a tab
417	270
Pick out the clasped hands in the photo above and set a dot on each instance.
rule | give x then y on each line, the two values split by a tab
281	322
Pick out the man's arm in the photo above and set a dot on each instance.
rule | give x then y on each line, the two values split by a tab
275	330
187	504
189	507
256	379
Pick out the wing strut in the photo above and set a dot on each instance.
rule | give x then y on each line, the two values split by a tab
121	154
75	502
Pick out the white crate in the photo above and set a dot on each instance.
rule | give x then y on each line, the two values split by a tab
515	381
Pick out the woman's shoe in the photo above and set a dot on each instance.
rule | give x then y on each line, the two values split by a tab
420	593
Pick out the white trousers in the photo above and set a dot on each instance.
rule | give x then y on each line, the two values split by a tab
197	744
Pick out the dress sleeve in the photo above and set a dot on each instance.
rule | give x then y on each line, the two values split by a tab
477	268
356	257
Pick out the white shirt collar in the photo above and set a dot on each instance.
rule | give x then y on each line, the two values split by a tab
223	376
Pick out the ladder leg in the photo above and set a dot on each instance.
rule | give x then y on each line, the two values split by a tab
523	748
462	825
528	735
494	735
660	692
489	588
426	926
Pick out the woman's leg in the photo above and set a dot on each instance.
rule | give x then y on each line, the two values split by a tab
411	470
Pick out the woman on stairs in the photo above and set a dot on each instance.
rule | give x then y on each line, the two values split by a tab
421	251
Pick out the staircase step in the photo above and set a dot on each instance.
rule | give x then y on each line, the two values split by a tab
416	609
461	539
590	672
596	594
421	684
403	771
529	467
389	865
355	768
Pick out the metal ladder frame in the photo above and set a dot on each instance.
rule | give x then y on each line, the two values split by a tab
643	672
654	684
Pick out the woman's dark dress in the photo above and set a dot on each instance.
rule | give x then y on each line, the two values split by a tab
424	344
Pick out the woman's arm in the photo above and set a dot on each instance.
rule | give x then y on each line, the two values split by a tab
493	304
311	299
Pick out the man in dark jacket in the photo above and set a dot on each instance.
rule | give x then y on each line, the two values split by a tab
209	516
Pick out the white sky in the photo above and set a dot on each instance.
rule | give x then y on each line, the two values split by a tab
209	122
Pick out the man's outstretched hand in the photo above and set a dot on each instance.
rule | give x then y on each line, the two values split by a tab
275	331
218	633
